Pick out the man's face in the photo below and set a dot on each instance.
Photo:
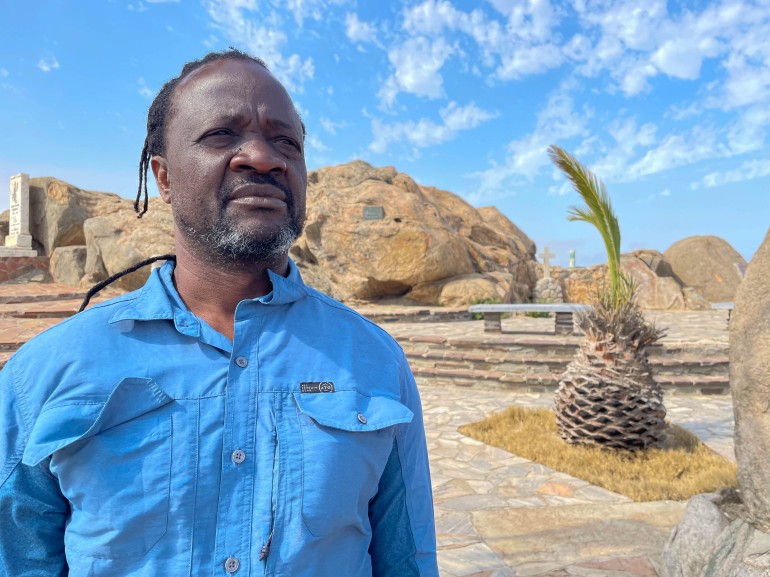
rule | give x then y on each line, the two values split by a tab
234	166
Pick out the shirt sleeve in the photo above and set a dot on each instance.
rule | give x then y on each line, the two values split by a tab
401	514
33	512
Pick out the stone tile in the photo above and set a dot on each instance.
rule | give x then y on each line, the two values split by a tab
463	561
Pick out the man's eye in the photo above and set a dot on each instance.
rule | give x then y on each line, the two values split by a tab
285	140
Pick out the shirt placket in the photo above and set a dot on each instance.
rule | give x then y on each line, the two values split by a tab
239	458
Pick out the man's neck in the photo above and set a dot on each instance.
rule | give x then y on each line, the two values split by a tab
212	291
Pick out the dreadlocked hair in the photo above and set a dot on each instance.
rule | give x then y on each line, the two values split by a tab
157	117
100	285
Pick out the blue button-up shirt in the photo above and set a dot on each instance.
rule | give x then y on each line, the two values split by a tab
137	440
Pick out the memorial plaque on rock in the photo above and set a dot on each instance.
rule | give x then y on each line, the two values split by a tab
374	213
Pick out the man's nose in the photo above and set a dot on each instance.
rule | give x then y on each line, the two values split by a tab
257	154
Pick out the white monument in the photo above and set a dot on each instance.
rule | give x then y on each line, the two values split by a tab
19	241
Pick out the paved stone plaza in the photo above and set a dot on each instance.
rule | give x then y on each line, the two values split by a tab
498	515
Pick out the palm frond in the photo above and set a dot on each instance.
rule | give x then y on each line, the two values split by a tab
598	212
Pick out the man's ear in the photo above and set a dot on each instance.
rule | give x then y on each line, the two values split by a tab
160	170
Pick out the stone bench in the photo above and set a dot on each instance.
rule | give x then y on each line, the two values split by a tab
724	307
564	311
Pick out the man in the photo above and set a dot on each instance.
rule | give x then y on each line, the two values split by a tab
226	418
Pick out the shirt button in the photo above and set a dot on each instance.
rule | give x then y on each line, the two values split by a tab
242	362
238	456
361	419
232	564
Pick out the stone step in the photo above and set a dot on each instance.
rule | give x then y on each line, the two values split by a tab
484	360
545	382
58	309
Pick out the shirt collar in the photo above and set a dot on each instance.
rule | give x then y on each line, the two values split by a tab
159	299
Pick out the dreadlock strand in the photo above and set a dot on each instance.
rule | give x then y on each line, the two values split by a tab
108	281
142	179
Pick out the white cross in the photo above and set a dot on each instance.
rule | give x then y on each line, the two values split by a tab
546	255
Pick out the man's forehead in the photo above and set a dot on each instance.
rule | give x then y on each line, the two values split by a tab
232	84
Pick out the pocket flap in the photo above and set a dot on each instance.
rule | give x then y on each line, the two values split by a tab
352	411
63	422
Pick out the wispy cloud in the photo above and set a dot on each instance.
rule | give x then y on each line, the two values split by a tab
3	73
145	90
527	157
417	63
48	63
331	126
424	132
358	31
260	32
748	170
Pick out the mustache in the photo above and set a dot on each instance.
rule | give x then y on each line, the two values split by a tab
228	189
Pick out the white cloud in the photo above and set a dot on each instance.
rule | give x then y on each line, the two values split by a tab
48	63
748	170
749	131
423	133
678	150
682	58
330	126
431	17
316	144
3	73
145	90
358	31
526	60
261	35
417	63
665	192
458	118
307	9
163	1
627	138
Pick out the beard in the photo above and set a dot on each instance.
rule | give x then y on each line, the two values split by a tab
232	244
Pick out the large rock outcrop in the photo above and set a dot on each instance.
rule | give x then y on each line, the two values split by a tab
429	247
58	210
730	537
118	240
708	264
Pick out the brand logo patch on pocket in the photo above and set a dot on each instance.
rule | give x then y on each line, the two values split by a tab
316	387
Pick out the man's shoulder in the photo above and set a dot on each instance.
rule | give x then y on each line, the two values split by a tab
340	313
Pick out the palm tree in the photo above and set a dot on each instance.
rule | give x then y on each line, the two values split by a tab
607	395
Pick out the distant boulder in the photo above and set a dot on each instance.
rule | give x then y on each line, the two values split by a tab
657	287
709	265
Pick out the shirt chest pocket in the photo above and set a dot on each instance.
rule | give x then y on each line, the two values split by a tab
347	438
113	462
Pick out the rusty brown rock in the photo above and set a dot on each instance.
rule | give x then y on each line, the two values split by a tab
59	209
431	247
656	291
118	240
708	264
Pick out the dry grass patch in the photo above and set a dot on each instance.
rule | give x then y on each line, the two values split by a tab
683	468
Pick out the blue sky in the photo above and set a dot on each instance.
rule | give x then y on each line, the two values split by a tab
668	102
